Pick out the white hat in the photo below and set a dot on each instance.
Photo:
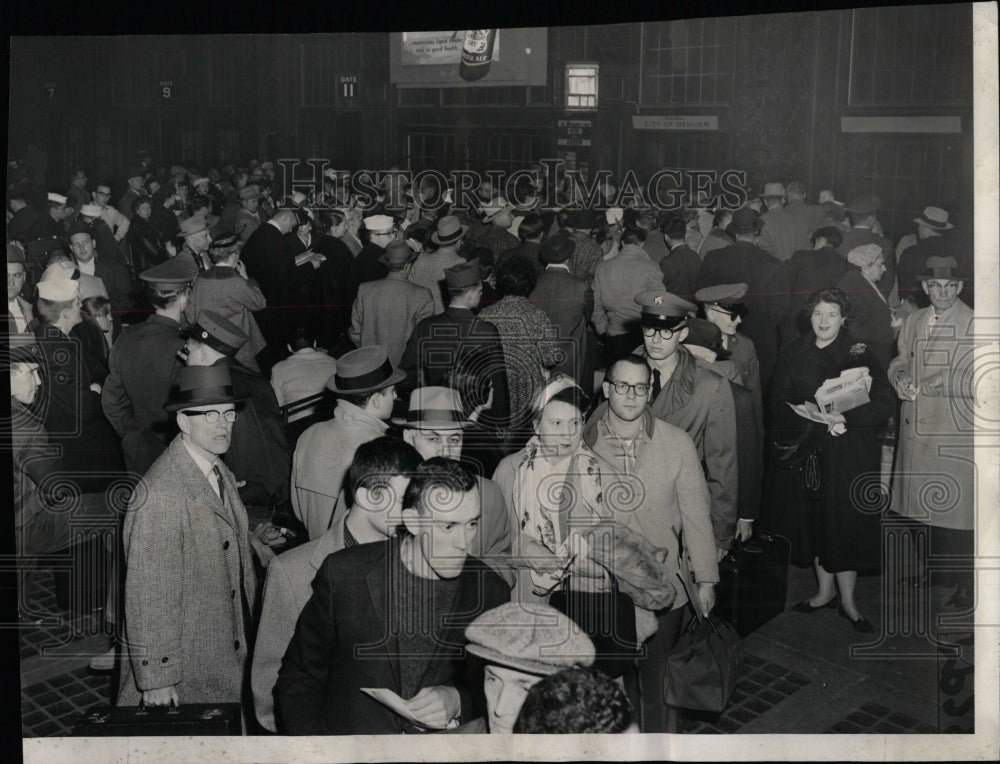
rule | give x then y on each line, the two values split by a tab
379	223
331	174
516	225
196	181
58	198
57	283
91	210
614	215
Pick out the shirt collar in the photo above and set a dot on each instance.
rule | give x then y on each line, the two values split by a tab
202	463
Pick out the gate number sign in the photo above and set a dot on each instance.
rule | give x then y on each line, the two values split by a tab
166	88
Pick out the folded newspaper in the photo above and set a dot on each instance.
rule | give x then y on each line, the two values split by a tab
835	396
392	700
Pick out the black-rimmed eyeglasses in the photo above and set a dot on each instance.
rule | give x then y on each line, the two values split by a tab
622	388
651	331
212	415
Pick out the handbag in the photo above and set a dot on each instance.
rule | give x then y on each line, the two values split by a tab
704	666
802	455
608	618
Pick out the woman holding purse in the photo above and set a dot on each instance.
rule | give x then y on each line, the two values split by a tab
830	503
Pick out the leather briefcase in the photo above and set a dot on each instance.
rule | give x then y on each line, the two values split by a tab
754	581
133	721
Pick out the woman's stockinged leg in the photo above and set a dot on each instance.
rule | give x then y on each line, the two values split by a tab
826	586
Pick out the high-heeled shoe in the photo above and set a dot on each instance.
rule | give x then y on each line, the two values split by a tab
860	623
806	607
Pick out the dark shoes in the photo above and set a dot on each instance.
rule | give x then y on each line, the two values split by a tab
805	607
862	624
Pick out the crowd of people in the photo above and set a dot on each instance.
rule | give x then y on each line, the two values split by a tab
530	399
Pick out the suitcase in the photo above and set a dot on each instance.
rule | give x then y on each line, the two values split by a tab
753	581
133	721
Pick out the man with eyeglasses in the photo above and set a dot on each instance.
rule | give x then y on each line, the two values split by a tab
933	376
669	496
368	265
693	398
116	221
190	585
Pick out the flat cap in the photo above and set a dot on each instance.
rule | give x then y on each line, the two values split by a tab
218	332
722	294
171	274
379	223
529	637
463	275
662	309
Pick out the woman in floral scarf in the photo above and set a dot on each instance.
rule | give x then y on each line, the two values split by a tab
565	531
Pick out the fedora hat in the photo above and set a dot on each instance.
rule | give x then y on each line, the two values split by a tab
449	230
745	220
202	386
942	268
364	370
397	252
556	249
707	335
864	205
934	217
434	408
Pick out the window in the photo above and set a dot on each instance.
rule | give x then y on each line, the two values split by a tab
688	61
581	86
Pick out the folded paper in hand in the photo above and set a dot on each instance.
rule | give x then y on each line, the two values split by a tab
388	698
846	392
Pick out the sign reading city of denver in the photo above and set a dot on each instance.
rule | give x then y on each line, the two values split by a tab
707	122
425	48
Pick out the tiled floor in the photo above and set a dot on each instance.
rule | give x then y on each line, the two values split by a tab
803	673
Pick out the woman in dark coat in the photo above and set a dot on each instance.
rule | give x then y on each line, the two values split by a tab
336	288
837	526
145	242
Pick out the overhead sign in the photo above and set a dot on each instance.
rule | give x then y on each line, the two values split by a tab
425	48
706	122
349	90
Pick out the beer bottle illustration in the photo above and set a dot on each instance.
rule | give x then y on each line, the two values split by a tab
477	53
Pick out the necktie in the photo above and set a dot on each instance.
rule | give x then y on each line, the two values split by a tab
218	481
656	383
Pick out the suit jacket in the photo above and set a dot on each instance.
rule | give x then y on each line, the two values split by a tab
344	640
428	271
766	298
680	269
437	342
788	229
386	312
616	283
26	311
223	290
189	586
569	302
114	274
144	366
286	592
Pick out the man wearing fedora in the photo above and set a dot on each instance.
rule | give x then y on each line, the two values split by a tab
197	235
497	237
365	383
787	227
932	241
429	268
569	303
190	584
933	377
144	365
386	311
861	214
392	616
767	295
259	454
377	479
434	425
438	342
227	289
